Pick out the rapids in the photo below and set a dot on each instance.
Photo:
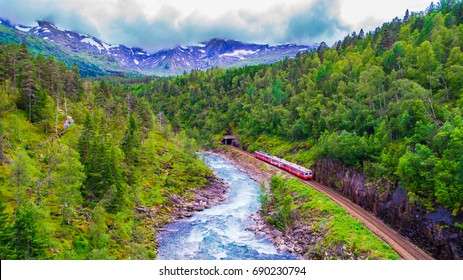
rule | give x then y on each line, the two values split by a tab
220	232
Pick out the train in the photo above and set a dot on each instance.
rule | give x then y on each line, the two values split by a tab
295	169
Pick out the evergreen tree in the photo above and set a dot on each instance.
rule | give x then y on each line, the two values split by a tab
6	234
74	89
131	142
85	140
406	16
27	86
43	110
361	34
67	176
27	244
23	175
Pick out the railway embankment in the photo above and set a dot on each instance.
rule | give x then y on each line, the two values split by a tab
437	231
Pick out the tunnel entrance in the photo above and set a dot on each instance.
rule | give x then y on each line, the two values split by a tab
230	140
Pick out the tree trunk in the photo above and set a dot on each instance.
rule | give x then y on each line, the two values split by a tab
57	111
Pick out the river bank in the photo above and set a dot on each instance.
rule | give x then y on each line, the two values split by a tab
314	234
221	232
295	240
178	207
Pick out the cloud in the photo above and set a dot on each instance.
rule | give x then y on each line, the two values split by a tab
27	12
320	21
157	24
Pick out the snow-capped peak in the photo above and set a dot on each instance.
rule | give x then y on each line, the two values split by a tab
213	53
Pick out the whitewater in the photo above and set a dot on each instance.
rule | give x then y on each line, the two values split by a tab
219	233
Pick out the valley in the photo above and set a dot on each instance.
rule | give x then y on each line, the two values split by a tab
97	155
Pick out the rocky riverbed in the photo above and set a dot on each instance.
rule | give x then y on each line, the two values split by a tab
178	207
300	238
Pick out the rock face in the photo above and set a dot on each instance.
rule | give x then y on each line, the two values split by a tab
435	231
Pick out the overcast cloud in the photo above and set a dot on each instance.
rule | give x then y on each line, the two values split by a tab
156	24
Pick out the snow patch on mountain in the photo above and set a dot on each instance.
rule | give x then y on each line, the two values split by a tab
239	53
23	29
199	45
93	43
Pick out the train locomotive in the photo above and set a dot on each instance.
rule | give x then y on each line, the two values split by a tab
295	169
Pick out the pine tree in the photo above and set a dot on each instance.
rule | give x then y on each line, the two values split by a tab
6	234
43	110
27	243
131	143
74	89
27	86
361	34
23	173
85	139
67	175
407	16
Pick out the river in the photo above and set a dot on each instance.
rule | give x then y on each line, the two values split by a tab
220	232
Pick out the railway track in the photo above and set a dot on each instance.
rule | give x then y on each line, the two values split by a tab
401	244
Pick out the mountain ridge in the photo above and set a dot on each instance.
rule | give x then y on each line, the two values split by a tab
108	58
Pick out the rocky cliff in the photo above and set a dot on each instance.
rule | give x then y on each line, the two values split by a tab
436	231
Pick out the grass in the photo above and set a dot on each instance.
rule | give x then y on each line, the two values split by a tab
340	228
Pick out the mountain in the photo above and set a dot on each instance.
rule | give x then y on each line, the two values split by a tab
216	53
95	57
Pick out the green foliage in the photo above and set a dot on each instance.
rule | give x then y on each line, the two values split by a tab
42	110
76	157
131	142
277	206
415	169
89	65
387	102
28	244
6	234
23	174
290	198
67	176
346	147
365	102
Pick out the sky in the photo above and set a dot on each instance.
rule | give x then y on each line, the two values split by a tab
158	24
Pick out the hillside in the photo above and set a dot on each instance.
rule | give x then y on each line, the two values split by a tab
378	116
77	158
379	113
87	64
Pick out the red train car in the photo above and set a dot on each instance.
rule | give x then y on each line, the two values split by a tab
295	169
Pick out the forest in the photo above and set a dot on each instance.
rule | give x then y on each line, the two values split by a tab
76	158
389	103
77	155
